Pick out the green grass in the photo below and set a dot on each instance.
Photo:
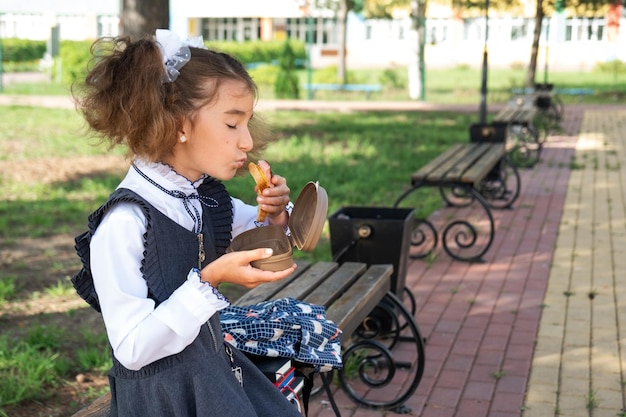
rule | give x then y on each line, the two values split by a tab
449	85
25	371
364	160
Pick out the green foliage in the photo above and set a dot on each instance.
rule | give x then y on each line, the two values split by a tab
328	75
95	353
34	364
7	288
287	83
264	75
517	65
25	371
43	337
258	51
21	66
614	66
75	57
61	288
22	50
394	78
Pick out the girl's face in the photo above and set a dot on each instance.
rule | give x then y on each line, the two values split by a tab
220	140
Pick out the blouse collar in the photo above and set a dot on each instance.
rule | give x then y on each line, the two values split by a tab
167	177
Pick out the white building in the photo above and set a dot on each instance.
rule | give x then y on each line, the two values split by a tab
567	42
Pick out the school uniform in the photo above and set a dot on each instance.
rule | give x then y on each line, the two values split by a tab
142	254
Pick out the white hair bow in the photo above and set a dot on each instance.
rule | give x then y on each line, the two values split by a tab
175	52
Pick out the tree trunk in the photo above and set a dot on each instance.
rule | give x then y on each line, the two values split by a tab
416	68
139	18
532	65
343	25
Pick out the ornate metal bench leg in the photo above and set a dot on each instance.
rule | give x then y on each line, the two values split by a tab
502	186
369	364
526	148
460	236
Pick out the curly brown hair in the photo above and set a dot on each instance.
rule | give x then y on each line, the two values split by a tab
125	102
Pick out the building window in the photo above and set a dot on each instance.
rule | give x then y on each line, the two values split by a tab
230	29
519	30
323	30
584	29
437	31
474	29
108	25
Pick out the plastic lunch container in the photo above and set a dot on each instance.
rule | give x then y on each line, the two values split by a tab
305	224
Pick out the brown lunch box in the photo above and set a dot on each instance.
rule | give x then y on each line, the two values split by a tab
305	225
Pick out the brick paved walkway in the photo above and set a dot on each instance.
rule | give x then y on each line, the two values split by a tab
559	245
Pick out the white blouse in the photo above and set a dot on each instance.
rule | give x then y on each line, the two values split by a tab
138	332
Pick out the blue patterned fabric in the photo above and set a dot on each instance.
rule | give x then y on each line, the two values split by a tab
286	327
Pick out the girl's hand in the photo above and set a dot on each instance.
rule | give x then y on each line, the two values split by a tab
275	198
234	267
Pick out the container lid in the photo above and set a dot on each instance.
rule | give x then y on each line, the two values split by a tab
308	216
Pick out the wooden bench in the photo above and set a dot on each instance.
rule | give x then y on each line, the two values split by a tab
546	99
466	173
524	143
368	89
357	299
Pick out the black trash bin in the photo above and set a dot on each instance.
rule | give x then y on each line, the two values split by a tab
373	235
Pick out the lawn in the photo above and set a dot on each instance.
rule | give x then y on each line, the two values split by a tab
450	85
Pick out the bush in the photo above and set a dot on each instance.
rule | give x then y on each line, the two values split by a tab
517	65
394	78
328	75
286	85
258	51
613	66
75	57
22	50
264	74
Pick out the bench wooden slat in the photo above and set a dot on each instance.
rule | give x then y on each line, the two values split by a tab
492	155
265	292
516	115
460	165
336	285
369	289
435	164
306	283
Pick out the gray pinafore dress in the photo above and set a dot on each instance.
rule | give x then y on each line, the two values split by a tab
199	381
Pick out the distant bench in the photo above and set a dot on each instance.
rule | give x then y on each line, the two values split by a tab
368	89
522	138
562	91
466	172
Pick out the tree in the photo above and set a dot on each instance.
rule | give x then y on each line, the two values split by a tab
287	84
587	8
534	49
371	9
141	17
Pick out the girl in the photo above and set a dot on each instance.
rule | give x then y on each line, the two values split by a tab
154	254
